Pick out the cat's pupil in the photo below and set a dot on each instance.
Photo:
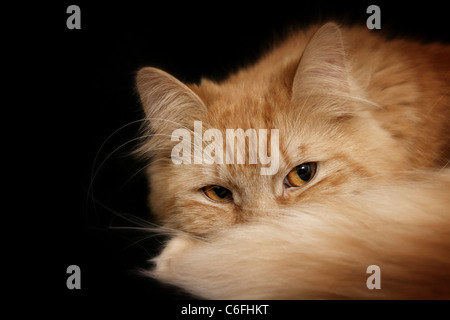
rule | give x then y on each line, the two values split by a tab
221	192
304	171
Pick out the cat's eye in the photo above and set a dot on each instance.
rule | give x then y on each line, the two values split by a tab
301	174
218	193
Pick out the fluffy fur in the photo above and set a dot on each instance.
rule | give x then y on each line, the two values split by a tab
322	251
372	113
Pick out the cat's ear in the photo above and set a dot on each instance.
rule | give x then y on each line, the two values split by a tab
322	68
167	102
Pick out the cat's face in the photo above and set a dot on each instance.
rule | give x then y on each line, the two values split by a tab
328	143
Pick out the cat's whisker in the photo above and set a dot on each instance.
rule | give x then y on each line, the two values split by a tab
154	150
110	136
442	96
126	216
150	228
94	172
94	175
179	125
188	129
444	166
143	168
158	230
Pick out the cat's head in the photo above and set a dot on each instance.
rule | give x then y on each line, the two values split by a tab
306	109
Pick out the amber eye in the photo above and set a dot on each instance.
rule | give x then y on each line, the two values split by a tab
217	193
301	174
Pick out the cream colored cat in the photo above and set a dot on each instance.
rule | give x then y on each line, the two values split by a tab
364	136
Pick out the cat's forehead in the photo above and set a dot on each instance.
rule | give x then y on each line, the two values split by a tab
246	107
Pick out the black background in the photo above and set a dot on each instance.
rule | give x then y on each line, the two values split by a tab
86	95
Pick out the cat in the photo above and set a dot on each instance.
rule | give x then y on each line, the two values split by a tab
364	141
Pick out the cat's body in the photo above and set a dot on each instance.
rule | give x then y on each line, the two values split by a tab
371	114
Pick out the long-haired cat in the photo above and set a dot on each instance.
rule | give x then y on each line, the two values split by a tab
364	139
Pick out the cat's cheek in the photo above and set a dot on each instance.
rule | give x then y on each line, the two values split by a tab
173	251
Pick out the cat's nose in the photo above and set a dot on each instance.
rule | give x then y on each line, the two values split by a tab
255	200
259	206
